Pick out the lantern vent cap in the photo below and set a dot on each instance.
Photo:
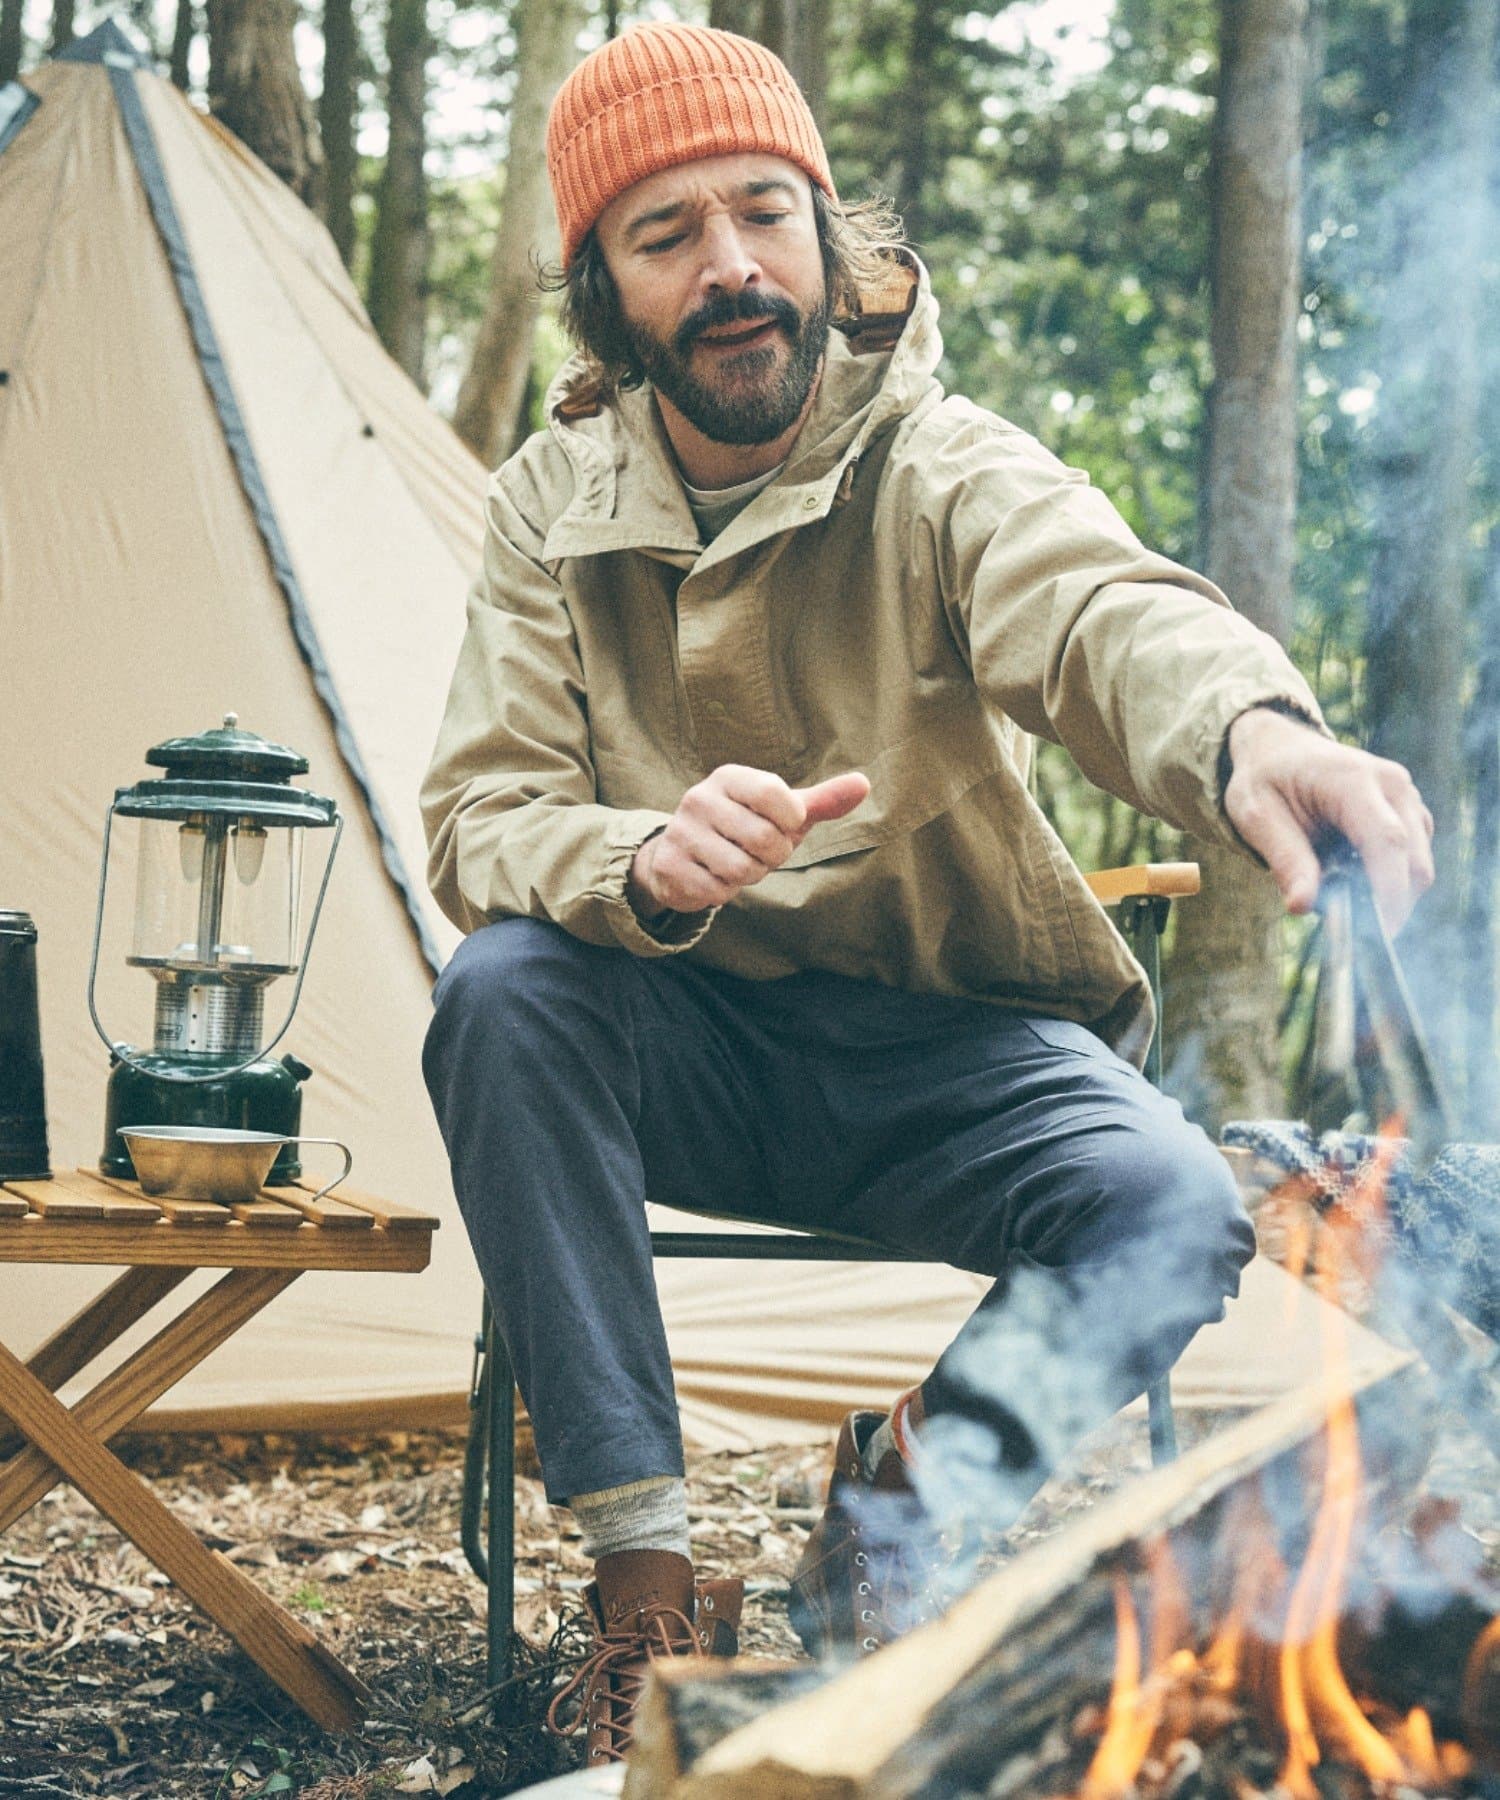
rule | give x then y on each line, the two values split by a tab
226	754
230	772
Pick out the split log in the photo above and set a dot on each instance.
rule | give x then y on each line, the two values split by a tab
944	1708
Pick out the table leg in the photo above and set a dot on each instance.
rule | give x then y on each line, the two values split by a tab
88	1333
126	1392
286	1650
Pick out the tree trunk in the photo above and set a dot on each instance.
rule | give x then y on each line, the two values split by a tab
255	88
743	16
398	252
1425	432
1225	972
918	101
10	40
182	43
794	30
807	56
336	124
62	25
493	390
797	31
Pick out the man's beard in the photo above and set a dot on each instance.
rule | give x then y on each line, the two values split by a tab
749	403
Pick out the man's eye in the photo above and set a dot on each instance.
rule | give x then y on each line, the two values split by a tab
657	245
767	218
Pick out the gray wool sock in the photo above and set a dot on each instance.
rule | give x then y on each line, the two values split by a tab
881	1440
894	1432
642	1515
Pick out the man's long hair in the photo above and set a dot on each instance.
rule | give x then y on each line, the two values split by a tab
858	243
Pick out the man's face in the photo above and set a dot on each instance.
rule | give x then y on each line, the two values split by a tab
721	282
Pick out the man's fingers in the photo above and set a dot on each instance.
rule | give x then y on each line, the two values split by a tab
720	855
732	829
756	835
1391	839
758	791
833	798
1269	825
1421	870
681	882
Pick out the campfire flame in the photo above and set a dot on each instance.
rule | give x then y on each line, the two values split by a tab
1296	1686
1133	1716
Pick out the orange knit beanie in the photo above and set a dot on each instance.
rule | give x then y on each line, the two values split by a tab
666	94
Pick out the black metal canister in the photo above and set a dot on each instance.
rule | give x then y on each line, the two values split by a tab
23	1102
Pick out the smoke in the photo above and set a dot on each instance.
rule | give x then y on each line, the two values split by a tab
1398	488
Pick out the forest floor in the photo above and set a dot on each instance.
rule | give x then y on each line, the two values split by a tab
112	1685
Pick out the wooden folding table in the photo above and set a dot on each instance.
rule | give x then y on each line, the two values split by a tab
264	1244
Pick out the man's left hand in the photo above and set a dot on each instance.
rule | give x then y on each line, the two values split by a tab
1290	784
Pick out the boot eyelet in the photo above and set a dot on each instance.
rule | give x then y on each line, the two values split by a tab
868	1643
860	1559
708	1603
863	1589
867	1618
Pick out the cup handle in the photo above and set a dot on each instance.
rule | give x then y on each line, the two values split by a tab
348	1162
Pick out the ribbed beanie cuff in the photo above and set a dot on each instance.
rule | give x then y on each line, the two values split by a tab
661	95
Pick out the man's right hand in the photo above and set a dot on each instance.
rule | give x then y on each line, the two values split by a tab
729	832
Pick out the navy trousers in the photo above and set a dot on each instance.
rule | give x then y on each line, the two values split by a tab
571	1082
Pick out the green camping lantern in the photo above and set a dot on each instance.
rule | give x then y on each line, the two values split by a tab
219	842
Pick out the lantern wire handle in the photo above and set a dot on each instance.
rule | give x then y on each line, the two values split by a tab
122	1051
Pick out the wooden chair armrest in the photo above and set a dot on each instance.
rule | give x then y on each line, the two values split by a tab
1172	881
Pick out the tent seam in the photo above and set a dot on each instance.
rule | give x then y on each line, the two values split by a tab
215	373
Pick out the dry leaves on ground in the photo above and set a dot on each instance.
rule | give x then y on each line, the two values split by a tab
112	1685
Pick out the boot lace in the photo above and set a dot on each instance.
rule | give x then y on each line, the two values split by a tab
605	1689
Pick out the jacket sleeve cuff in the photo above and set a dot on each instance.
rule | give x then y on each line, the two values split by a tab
1301	707
668	932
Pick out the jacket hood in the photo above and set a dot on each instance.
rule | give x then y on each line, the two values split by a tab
627	489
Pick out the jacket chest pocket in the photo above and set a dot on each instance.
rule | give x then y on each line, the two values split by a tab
956	744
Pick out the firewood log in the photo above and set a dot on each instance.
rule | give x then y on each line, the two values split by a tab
1023	1650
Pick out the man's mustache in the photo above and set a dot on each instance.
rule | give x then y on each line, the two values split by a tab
732	309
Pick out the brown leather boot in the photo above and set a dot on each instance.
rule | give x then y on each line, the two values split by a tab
863	1577
643	1605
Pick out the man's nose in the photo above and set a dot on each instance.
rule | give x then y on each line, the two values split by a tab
729	263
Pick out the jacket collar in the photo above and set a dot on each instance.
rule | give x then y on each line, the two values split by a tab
628	493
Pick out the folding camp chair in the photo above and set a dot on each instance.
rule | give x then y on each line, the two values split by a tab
1144	896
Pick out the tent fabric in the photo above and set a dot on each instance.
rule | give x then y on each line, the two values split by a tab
138	601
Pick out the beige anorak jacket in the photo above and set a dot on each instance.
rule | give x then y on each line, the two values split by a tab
921	590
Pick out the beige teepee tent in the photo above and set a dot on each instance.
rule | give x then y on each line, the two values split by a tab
218	493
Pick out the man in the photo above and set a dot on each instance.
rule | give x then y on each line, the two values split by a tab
732	798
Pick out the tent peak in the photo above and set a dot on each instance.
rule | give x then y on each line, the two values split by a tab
112	42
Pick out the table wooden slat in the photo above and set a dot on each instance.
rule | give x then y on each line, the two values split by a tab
384	1212
122	1206
60	1198
331	1213
179	1212
12	1206
266	1214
